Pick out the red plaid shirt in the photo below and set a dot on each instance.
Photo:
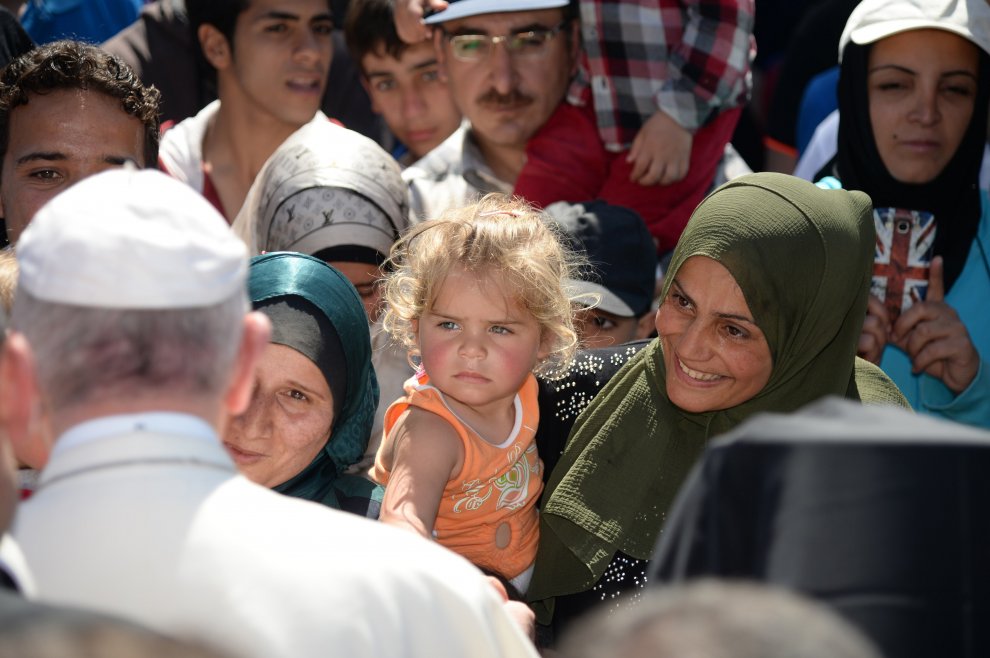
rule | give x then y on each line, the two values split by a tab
689	58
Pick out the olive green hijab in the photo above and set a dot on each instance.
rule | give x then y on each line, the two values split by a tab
802	257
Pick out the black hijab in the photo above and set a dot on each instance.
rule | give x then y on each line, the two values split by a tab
953	197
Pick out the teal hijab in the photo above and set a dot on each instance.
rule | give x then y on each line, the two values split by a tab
802	257
286	275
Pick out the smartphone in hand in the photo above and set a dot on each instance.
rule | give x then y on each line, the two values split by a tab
903	257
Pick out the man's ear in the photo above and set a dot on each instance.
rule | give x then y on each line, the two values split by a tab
20	402
215	46
254	340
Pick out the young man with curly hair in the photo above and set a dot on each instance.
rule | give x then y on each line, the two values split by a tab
68	110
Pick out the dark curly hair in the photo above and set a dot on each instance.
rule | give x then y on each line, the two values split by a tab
76	65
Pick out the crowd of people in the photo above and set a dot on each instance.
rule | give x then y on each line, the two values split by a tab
463	328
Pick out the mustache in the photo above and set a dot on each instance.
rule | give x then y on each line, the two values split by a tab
514	98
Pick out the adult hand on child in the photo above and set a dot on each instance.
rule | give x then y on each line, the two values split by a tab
937	341
661	151
876	328
409	18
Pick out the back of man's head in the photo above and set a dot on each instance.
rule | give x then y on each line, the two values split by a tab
716	619
75	65
131	287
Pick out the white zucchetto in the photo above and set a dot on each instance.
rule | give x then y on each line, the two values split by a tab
131	239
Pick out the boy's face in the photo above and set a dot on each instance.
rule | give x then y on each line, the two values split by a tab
596	328
280	58
411	96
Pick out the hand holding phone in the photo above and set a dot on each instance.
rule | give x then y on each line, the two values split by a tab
934	337
902	261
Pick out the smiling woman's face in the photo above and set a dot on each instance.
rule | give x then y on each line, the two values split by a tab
288	421
715	355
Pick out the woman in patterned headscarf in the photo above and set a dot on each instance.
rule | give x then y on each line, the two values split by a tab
336	195
331	193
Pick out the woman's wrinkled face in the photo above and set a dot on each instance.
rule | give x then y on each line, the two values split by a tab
288	421
715	355
922	89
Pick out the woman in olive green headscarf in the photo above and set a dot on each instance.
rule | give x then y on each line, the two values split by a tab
762	309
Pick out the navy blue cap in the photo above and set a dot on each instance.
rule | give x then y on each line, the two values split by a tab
620	250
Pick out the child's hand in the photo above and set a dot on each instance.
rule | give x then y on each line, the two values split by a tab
661	152
409	18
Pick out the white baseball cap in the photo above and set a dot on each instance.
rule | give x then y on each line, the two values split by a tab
131	239
464	8
873	20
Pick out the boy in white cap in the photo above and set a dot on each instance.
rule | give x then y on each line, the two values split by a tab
131	331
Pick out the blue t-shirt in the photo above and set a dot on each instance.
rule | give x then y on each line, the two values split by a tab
93	22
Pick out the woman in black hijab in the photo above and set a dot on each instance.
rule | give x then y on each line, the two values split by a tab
914	90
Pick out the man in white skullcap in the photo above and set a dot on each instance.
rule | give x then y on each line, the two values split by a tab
131	340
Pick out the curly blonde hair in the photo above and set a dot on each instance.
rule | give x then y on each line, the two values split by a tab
498	233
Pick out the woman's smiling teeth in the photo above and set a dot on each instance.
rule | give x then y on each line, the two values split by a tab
694	374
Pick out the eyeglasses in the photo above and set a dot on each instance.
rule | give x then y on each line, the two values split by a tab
476	47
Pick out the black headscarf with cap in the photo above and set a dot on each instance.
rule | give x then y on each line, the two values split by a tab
316	311
953	197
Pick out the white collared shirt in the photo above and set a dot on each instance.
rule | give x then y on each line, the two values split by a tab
160	422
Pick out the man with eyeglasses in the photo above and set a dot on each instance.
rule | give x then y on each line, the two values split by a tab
649	116
508	72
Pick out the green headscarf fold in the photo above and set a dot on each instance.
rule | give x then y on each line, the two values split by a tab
287	274
802	257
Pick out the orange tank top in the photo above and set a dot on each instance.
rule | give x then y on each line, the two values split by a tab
488	511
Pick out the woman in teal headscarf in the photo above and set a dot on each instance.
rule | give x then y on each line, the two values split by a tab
762	310
315	390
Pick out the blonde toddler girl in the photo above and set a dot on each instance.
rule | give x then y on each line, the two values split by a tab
478	297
